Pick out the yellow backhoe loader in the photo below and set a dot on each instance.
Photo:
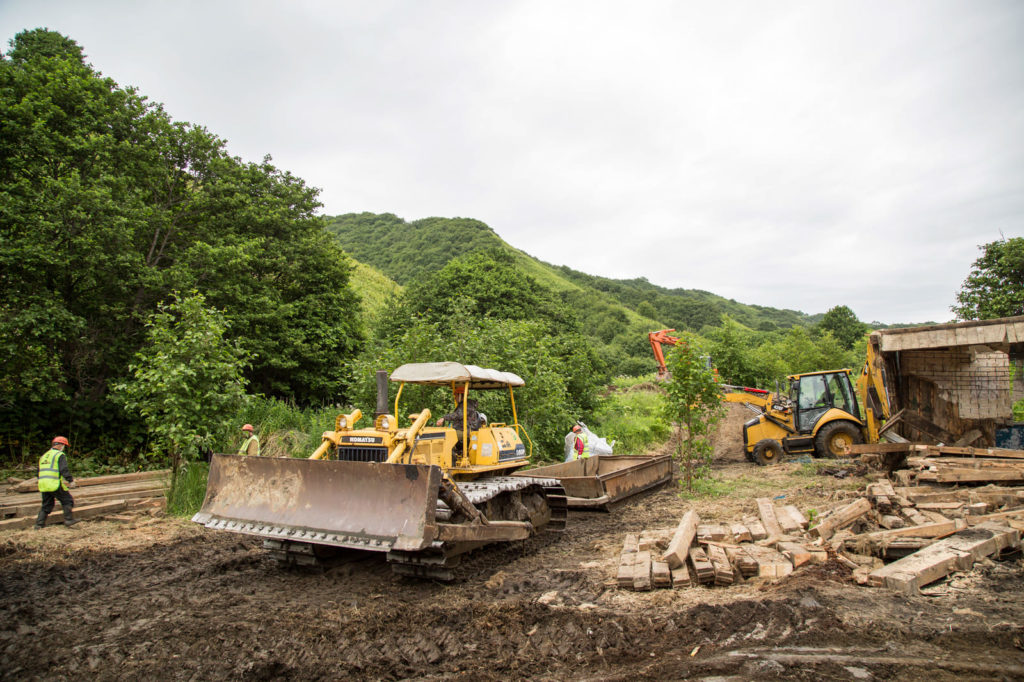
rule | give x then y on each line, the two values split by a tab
424	494
822	414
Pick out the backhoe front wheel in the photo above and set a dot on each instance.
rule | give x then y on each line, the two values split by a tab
767	451
833	440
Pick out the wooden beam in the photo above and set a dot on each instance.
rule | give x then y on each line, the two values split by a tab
679	548
81	513
31	485
768	518
841	518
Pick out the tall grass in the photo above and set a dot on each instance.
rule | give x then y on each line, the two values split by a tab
186	494
632	415
284	429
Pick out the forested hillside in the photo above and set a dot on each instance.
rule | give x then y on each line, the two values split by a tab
615	314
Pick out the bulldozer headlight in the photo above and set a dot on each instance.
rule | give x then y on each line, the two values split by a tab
342	423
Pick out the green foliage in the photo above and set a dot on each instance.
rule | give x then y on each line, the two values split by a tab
694	403
409	251
374	289
995	285
107	206
186	380
632	414
284	428
844	326
185	497
481	310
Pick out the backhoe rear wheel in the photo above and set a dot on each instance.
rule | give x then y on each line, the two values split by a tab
767	451
834	439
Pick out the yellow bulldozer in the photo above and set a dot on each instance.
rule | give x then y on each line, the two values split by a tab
423	493
821	414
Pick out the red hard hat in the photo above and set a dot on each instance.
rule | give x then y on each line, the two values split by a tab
247	427
62	440
459	389
576	428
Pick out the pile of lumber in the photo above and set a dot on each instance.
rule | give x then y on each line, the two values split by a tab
923	463
925	533
96	496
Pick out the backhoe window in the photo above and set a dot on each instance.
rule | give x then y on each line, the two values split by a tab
842	392
813	401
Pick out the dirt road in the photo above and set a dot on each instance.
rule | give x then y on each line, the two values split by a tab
171	600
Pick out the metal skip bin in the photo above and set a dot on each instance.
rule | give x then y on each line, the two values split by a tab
602	480
361	505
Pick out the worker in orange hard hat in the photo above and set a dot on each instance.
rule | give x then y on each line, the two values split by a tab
251	446
581	443
54	480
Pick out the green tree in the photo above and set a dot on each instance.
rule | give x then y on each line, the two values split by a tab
186	380
107	206
995	285
843	325
731	353
694	403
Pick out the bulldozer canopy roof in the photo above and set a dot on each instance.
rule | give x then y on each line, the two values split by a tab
444	373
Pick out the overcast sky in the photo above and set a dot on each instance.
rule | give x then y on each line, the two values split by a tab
795	155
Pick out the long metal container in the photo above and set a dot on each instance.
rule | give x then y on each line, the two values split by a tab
600	481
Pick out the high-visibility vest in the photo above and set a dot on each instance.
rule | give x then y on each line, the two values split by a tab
586	445
244	450
49	471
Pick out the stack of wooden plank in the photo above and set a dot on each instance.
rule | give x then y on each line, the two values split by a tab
925	463
926	533
99	495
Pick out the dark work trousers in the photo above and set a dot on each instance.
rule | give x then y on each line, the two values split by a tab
66	503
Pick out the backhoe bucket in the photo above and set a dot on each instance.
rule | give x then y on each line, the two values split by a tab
361	505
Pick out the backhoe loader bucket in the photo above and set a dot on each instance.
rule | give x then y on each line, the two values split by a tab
361	505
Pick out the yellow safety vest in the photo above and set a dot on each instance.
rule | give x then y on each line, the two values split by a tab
49	471
586	446
244	450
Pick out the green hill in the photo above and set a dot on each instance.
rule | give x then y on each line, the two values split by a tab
617	314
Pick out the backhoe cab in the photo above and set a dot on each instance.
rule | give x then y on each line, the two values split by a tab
819	416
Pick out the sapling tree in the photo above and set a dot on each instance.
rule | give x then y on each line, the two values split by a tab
694	404
186	380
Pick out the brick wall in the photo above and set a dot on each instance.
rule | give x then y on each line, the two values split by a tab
976	382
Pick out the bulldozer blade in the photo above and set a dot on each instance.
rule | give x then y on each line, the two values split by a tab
361	505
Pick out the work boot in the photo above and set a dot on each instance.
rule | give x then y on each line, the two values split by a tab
38	526
70	522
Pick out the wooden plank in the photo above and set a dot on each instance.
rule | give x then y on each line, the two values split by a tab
841	518
940	450
757	531
957	552
800	554
711	531
746	564
722	567
889	521
81	513
642	571
998	516
661	575
770	564
681	576
740	533
624	577
767	512
703	570
31	485
679	548
796	515
789	524
960	475
930	530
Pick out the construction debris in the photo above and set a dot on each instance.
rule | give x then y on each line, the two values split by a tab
924	532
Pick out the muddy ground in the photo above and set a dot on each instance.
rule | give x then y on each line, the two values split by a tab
167	599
